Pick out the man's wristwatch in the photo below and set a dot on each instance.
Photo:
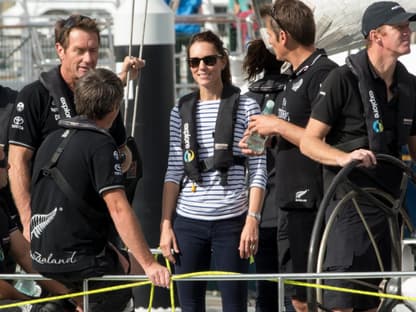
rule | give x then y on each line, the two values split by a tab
255	215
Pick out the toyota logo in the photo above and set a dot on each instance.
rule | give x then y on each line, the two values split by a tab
18	120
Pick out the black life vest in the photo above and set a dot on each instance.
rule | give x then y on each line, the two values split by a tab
52	81
81	122
223	137
267	88
378	138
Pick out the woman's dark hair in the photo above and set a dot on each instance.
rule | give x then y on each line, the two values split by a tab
210	37
259	59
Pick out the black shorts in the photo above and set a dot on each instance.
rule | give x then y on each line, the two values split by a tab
337	299
110	301
366	262
349	249
293	247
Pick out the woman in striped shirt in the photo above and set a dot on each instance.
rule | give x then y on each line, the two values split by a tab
211	206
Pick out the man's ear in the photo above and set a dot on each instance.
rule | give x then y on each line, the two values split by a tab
374	36
283	36
60	51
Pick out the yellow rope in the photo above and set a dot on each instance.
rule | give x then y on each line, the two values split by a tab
178	277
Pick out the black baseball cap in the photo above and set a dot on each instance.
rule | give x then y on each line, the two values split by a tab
384	13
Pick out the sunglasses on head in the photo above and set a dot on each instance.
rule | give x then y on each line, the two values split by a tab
273	14
72	20
209	60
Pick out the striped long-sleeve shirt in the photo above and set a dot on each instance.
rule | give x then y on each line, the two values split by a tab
212	201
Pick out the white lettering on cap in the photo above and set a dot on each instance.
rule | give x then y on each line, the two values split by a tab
396	7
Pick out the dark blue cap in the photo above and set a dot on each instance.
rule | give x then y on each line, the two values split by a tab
384	13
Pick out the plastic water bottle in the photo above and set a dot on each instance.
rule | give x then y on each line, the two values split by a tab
28	287
256	142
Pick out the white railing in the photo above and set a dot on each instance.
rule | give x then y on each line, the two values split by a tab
27	47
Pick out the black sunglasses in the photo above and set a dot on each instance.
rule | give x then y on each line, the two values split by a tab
209	60
273	14
73	20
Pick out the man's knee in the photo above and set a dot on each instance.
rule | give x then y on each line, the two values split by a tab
300	306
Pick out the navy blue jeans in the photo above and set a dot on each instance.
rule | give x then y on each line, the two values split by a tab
202	243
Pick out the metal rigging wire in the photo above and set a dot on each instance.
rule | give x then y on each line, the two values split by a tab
136	96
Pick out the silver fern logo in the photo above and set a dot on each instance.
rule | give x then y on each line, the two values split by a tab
296	85
39	222
299	196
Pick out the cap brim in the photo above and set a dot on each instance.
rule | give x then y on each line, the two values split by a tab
401	18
